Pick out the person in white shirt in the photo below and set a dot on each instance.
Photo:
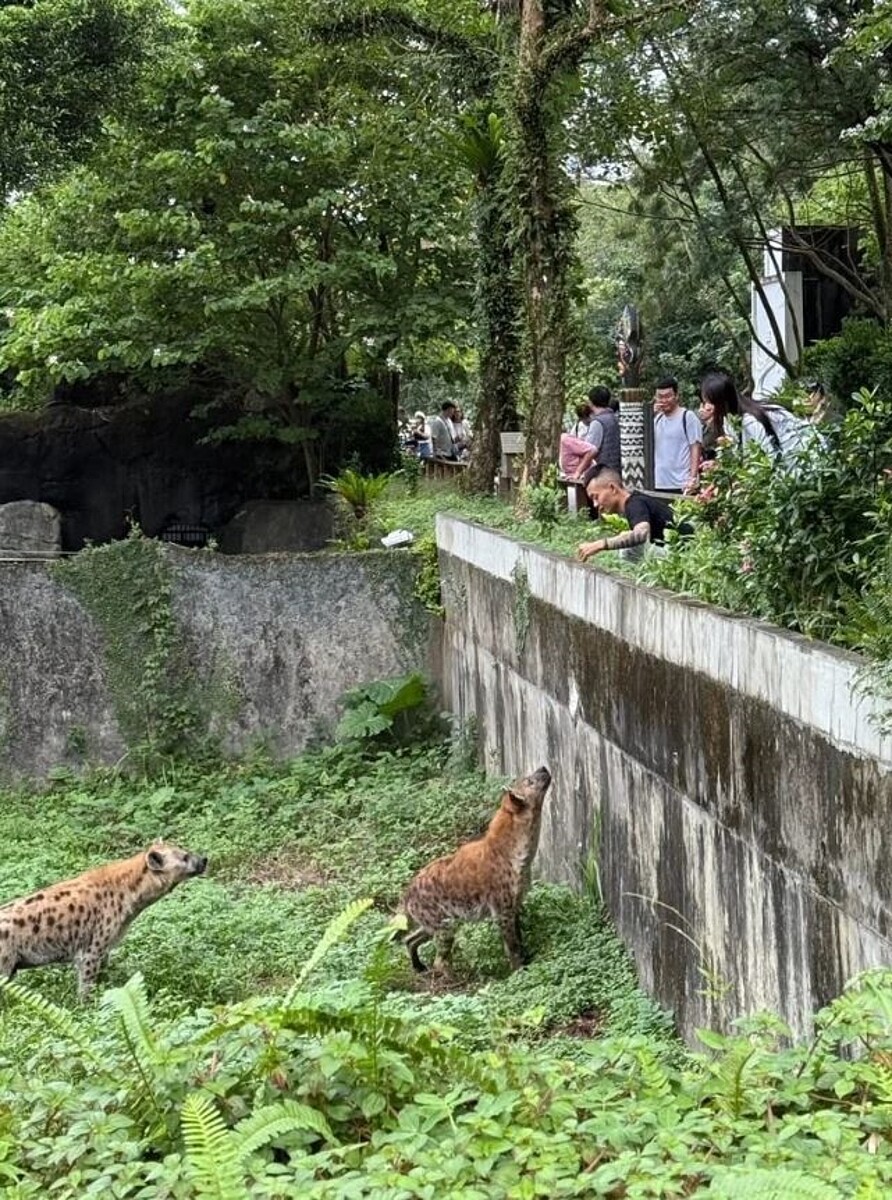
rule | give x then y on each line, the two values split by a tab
461	433
678	440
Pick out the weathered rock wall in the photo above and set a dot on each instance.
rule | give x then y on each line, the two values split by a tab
146	461
267	644
736	795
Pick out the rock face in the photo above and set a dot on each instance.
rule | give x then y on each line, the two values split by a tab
143	461
29	529
268	644
264	526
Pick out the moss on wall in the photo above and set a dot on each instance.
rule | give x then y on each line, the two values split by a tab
126	587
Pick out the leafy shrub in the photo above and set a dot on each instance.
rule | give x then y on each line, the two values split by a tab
858	358
358	494
795	547
542	501
384	709
341	1092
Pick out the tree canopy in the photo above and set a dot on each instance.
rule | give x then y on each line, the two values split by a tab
310	202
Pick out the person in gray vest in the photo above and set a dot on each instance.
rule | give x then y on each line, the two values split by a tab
602	436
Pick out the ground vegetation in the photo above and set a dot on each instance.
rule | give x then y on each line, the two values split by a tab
282	1049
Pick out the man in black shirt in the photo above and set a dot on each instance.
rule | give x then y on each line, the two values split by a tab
648	516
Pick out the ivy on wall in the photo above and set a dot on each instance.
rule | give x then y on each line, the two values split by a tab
126	587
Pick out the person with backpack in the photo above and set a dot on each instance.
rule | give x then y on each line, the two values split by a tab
782	435
678	441
599	447
603	437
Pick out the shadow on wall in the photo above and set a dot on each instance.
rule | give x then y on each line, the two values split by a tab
144	460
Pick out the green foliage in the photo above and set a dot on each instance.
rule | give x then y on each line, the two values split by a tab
326	1073
411	469
427	583
542	501
804	547
385	712
327	1097
279	213
66	64
358	491
126	587
858	358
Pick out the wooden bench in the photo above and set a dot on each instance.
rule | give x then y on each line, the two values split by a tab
513	447
442	468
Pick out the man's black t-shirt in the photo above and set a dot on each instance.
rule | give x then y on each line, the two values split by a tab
656	512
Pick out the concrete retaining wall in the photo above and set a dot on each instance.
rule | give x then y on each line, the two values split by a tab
283	635
736	794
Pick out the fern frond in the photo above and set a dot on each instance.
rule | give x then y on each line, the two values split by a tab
130	1006
421	1046
211	1151
57	1018
335	932
776	1183
653	1073
274	1120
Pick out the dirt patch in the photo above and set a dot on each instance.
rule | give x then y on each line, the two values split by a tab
437	983
288	870
588	1024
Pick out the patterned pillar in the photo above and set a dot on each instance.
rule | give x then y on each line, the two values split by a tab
636	432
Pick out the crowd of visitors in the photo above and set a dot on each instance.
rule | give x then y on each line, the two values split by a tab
684	444
446	436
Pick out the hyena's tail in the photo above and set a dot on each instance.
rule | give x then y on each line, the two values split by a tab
400	925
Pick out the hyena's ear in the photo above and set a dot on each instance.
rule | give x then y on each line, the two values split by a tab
155	860
513	800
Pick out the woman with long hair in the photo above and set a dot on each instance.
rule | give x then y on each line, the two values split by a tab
718	400
781	435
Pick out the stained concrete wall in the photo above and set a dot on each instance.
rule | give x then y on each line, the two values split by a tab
283	635
734	790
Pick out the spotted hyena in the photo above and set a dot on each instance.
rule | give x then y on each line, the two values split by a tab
79	921
486	878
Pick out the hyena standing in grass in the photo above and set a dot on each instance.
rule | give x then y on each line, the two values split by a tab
79	920
486	878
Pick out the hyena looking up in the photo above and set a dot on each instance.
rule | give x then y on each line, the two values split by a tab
482	879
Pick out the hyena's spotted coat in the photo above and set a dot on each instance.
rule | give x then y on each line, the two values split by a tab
79	920
484	878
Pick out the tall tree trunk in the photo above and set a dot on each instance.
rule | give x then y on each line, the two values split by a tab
498	322
542	193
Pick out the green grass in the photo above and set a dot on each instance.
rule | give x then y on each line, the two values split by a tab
289	847
400	510
214	1078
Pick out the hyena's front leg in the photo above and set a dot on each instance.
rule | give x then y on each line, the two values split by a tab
509	926
88	964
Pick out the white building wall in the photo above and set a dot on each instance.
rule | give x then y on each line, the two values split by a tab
783	294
